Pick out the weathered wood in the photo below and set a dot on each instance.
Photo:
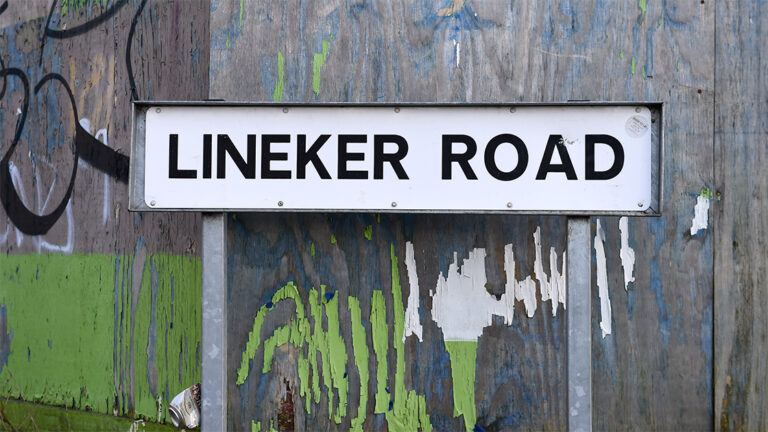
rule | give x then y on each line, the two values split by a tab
519	367
537	52
740	215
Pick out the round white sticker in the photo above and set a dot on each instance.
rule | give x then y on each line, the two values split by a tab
637	126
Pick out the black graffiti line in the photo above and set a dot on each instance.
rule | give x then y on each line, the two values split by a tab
131	31
3	7
86	26
77	30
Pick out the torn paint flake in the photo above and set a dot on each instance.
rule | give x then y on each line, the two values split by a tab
551	288
602	280
524	290
701	214
412	322
626	253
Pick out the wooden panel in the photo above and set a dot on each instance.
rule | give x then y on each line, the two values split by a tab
352	260
655	370
741	213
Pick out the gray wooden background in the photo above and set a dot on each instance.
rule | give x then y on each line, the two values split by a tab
688	336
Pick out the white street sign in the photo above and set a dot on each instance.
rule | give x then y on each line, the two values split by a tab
574	159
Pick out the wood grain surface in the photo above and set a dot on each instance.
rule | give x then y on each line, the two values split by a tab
740	216
655	371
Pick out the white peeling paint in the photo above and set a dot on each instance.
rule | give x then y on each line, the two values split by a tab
701	214
462	306
626	253
554	288
602	281
412	323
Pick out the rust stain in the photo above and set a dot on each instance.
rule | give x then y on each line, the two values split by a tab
285	419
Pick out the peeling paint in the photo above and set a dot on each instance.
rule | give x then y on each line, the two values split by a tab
626	253
554	288
317	66
463	356
701	213
412	321
360	350
277	95
602	280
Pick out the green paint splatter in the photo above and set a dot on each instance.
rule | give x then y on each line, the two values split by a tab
642	4
333	239
379	333
368	232
40	292
312	249
277	95
378	218
317	65
634	63
678	65
621	54
408	411
706	192
240	19
361	361
329	344
77	4
255	427
227	42
644	75
463	356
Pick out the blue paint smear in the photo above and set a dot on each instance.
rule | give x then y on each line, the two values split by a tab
5	342
657	228
478	428
329	296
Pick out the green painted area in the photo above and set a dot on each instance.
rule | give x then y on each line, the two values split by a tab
634	63
678	65
408	411
360	349
463	356
317	66
66	349
642	4
706	192
277	95
368	232
240	17
312	250
621	54
78	4
405	410
329	344
227	43
644	74
256	426
24	416
333	239
379	335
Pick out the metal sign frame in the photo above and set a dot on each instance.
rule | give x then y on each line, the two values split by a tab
137	172
214	280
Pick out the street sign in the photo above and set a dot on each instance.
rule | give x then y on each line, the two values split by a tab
567	159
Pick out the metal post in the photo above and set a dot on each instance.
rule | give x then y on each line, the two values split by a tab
214	298
579	303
